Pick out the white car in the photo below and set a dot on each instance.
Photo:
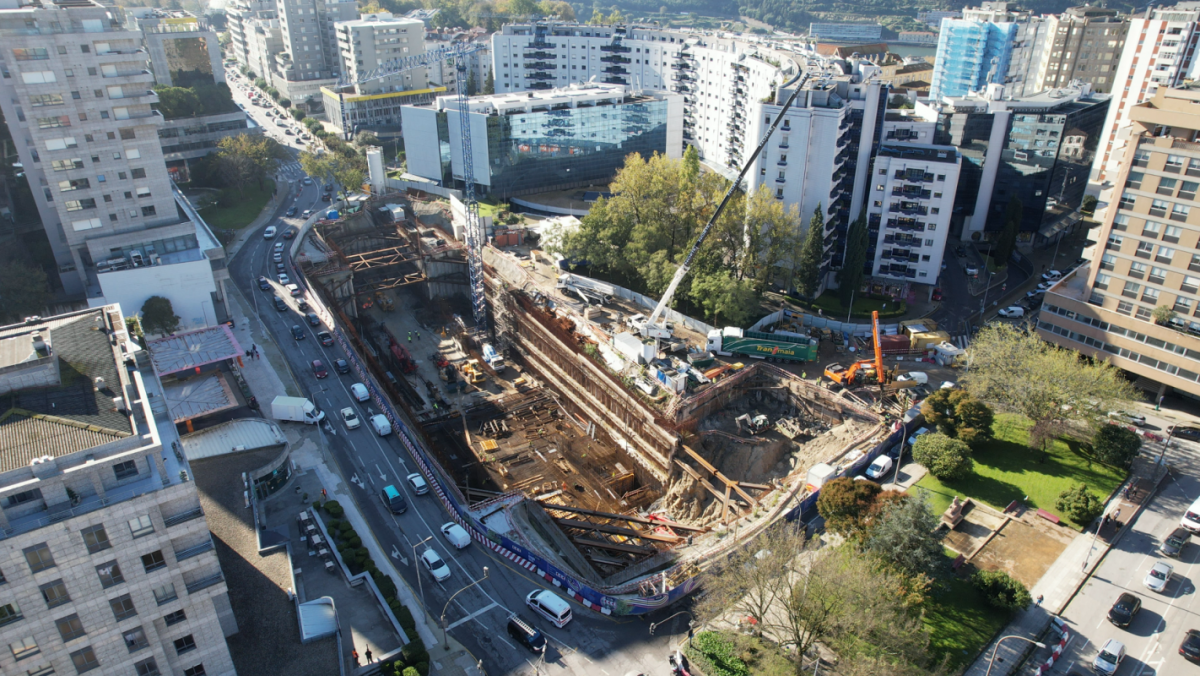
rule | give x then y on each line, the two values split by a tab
456	534
418	484
1012	311
879	468
284	279
307	213
1108	660
435	565
1051	276
1131	418
269	232
277	256
307	181
1045	285
1159	575
351	418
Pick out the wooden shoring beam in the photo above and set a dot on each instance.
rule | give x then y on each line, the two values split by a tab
703	482
601	544
724	479
623	517
615	530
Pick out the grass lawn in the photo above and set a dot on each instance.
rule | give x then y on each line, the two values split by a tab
245	210
832	305
960	624
1006	470
491	207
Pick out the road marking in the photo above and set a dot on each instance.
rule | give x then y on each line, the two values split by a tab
472	616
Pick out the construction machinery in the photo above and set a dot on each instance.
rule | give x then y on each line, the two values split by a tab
756	425
473	372
866	370
385	302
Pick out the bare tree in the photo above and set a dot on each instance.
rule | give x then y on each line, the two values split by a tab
753	579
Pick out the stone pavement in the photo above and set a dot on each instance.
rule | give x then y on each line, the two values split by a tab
1073	567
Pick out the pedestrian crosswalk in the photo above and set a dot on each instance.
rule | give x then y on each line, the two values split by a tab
291	170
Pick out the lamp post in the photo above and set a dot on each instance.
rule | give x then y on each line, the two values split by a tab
447	606
997	648
900	455
420	585
691	623
983	302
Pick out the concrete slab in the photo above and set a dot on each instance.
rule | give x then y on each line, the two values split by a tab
198	396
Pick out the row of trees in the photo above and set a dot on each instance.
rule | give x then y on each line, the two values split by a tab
198	99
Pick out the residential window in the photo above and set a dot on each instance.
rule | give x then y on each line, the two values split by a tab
1158	208
1190	284
1157	276
174	618
125	470
24	647
1180	213
1144	250
110	574
84	659
165	593
1174	164
1125	308
53	122
1102	282
183	645
1134	182
153	561
9	613
1126	202
55	594
1193	168
135	639
122	607
1187	191
70	627
138	172
1137	270
1194	266
1144	313
1166	186
148	211
1164	255
1131	289
1151	229
1150	295
127	134
39	558
197	670
147	667
1182	305
1108	262
1141	158
1173	232
23	497
80	205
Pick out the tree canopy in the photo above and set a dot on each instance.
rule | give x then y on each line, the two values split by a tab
247	158
158	317
200	99
345	172
959	415
946	458
24	291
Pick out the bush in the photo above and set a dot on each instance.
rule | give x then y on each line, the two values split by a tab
409	671
298	114
1116	445
946	459
285	102
717	655
334	509
1079	504
845	504
422	668
1001	590
414	651
385	584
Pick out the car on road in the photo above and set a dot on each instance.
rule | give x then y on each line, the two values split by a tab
284	279
960	251
937	294
1190	648
391	497
455	534
550	606
312	319
319	370
325	338
302	305
292	211
307	213
1127	417
1012	311
1189	433
290	233
971	270
277	256
1034	294
341	366
264	283
879	468
435	565
307	181
280	267
418	484
1156	580
1174	543
326	198
1111	654
269	232
289	132
297	332
1051	276
279	304
523	632
279	246
1191	518
1124	609
351	418
293	289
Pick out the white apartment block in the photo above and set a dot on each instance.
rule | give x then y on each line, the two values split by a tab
76	93
1160	51
264	39
310	58
443	73
909	207
108	565
237	15
372	40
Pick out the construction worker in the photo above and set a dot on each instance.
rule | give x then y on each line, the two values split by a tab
418	335
410	336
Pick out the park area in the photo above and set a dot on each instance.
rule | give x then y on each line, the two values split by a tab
241	209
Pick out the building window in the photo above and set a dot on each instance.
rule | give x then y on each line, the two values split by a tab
1108	262
1193	168
135	639
84	659
148	211
1102	282
1144	250
55	594
1187	191
1125	308
1164	255
125	470
22	497
1182	305
1134	182
1144	313
197	670
140	526
174	618
1180	213
147	667
1131	289
1166	186
110	574
139	173
9	613
1141	158
127	134
1126	202
1190	284
122	607
165	594
39	558
1151	229
1158	208
1174	164
185	644
24	647
1150	295
70	627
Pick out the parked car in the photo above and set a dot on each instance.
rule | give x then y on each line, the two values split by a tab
290	233
1160	573
1035	293
279	246
319	370
1012	311
1051	276
879	468
340	365
960	251
1190	648
1131	418
351	418
1174	543
1124	609
326	198
418	484
293	289
1183	432
307	213
937	294
1045	285
325	338
972	270
280	268
269	232
291	211
435	565
455	534
297	332
1110	656
1191	517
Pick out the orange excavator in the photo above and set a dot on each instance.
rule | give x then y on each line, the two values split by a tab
858	372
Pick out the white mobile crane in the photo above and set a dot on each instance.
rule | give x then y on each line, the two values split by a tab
651	328
475	235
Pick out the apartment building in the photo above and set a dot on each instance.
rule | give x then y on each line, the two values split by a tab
990	44
1084	44
443	73
310	58
541	141
1147	258
264	40
909	209
238	14
1160	51
108	564
183	48
76	95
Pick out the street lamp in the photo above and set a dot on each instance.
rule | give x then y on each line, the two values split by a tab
447	606
420	585
691	624
997	648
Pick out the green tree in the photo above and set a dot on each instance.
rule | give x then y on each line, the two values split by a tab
846	504
249	157
365	139
158	317
177	102
298	114
1047	384
489	83
1088	206
1163	314
523	8
285	102
851	275
1013	215
557	9
726	300
1001	590
1079	504
906	535
24	291
946	459
471	91
959	415
1116	445
808	272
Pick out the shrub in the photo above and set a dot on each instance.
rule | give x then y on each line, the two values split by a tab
285	102
404	617
334	509
1001	590
845	504
410	671
385	584
422	668
1079	504
717	655
946	459
414	651
316	505
1116	445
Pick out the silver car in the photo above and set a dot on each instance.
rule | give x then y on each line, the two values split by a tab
1157	578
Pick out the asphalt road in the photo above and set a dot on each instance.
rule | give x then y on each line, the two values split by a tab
1152	640
590	643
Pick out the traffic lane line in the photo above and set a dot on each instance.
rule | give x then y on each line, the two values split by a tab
472	616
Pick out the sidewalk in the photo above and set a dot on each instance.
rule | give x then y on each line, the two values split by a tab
1068	574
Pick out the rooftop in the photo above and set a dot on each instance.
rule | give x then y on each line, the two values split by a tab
587	94
379	19
186	351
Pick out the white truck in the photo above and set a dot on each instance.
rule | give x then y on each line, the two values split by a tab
382	425
664	331
296	409
590	290
493	358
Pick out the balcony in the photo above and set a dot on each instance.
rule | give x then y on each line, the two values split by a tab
679	88
205	582
142	75
616	59
138	116
194	550
540	55
121	52
687	56
540	76
540	65
617	70
687	135
612	79
681	77
540	85
539	44
147	96
615	49
781	179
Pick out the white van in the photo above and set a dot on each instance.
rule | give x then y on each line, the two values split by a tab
360	392
455	534
381	424
1191	518
550	606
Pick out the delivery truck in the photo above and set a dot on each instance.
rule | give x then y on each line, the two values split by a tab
296	409
770	346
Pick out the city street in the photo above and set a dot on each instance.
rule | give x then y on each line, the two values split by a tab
591	643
